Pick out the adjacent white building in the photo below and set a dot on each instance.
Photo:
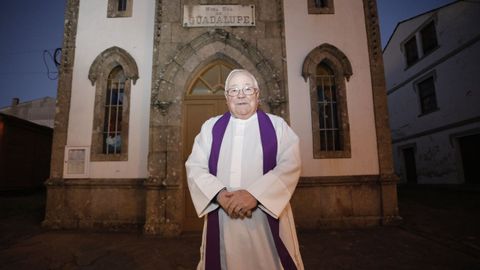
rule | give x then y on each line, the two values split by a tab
433	76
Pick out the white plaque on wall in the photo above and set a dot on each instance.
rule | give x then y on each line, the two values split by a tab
218	15
76	162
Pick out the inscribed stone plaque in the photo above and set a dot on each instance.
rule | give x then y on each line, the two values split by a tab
218	15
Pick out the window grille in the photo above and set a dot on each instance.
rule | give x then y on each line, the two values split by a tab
112	139
328	110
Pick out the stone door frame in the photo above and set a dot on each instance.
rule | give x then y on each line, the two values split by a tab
164	188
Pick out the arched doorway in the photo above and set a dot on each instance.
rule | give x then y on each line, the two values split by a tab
204	99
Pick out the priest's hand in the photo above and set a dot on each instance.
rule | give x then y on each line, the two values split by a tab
241	204
223	198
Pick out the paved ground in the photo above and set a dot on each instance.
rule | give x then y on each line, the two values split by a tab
440	230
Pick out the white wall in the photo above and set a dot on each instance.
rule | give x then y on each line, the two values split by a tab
456	88
95	34
345	30
457	72
393	58
437	156
456	24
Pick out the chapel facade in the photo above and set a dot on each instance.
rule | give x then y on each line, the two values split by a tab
138	78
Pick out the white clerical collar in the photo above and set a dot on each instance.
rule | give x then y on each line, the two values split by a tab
244	121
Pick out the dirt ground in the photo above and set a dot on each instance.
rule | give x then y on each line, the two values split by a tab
440	230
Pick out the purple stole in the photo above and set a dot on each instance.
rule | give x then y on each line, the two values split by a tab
269	147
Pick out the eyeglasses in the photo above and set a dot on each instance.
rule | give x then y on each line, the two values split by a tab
247	90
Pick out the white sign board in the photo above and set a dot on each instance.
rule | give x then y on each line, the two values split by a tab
76	163
218	15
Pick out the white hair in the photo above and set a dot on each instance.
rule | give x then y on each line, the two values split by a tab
246	72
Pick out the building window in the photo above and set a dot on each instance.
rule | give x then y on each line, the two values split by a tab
211	80
112	74
320	7
411	51
119	8
328	119
320	3
122	5
327	69
111	115
429	38
426	95
112	127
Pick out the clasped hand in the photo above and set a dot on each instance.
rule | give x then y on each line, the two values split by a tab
237	204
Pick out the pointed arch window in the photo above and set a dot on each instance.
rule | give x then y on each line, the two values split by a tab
327	68
211	79
328	120
112	74
113	113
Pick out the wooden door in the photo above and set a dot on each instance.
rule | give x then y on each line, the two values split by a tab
197	111
204	98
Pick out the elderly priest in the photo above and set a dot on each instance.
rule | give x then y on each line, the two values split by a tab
242	172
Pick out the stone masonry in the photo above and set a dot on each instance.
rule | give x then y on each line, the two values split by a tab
178	52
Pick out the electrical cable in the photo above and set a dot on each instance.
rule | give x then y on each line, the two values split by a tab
54	60
57	57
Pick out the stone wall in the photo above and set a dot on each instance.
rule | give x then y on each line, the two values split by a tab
179	52
55	208
111	204
157	203
343	202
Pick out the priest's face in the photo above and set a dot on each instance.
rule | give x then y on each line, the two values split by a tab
242	95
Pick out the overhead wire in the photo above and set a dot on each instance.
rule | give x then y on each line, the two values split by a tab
52	75
47	58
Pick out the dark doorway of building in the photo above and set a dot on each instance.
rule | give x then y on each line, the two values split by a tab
469	149
410	167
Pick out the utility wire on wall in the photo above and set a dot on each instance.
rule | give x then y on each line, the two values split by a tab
48	58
